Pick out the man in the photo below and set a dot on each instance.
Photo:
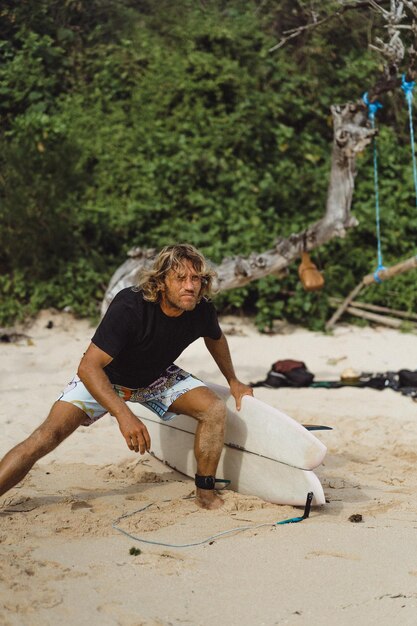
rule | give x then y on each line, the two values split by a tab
131	357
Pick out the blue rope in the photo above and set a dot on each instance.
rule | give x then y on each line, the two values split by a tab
372	111
407	88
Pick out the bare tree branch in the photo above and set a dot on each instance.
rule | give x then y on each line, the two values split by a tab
296	32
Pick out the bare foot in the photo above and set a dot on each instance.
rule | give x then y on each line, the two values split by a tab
207	499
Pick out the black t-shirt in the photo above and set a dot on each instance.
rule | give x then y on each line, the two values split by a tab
143	341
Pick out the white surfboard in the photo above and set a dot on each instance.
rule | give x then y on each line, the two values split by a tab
249	473
264	430
261	428
261	451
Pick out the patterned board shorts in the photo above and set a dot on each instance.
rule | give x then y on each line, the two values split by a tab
158	397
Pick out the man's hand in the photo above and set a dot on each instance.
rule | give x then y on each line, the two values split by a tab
220	352
238	390
135	433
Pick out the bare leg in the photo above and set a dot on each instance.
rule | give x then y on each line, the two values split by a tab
203	404
62	420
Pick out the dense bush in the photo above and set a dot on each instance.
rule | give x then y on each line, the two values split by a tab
140	123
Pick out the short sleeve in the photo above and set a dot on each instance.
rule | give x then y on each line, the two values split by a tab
116	329
211	324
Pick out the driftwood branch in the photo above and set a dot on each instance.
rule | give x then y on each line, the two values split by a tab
395	319
390	272
344	306
383	320
369	279
351	135
376	308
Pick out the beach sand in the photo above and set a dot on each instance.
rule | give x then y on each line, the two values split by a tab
64	562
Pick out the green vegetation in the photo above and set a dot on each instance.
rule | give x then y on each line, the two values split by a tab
143	123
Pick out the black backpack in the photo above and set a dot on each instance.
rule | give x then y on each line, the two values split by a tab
287	373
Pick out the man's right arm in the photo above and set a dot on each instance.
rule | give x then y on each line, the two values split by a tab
91	373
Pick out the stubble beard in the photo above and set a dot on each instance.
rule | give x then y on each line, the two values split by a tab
179	304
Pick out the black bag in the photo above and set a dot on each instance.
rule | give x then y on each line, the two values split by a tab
287	373
407	378
300	377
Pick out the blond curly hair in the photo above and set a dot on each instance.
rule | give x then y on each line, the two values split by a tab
171	258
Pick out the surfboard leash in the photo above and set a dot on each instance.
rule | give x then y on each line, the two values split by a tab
291	520
304	516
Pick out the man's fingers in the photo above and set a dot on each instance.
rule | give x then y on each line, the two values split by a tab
137	437
129	442
138	443
238	400
132	443
146	438
249	392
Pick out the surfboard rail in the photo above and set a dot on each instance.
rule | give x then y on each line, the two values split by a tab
249	474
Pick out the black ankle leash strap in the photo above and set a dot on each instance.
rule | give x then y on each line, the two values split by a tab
209	482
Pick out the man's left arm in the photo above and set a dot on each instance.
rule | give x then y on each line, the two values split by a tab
219	350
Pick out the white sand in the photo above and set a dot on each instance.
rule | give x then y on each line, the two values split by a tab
62	562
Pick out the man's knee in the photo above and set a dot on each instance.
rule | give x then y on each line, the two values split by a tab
60	423
203	405
41	441
214	414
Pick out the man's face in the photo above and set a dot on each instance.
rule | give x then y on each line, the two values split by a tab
181	289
